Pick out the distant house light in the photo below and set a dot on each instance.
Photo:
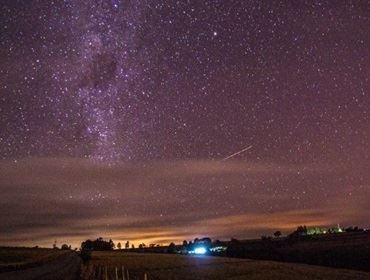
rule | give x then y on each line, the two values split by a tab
218	249
200	250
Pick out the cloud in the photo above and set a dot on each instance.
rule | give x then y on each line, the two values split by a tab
44	199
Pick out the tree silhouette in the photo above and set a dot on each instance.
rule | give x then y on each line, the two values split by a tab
111	243
97	245
171	248
206	240
277	233
66	247
119	246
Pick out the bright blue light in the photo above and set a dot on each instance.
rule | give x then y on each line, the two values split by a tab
200	250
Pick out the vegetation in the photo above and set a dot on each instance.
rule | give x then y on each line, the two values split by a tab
305	231
333	247
171	248
85	255
97	245
66	247
347	250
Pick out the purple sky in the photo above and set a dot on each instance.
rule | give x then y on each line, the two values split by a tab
115	116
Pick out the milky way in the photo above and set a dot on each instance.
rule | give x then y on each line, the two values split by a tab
149	83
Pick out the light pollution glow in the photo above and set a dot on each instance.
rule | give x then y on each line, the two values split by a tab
62	199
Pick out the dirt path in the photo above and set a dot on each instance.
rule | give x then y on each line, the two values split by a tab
63	268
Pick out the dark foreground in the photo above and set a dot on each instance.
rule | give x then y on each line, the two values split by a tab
106	265
59	265
65	267
350	251
344	250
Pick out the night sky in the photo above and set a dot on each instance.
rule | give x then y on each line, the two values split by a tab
116	115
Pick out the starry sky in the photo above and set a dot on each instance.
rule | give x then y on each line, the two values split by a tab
116	116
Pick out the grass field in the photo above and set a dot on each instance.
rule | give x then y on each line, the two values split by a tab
350	250
161	266
17	258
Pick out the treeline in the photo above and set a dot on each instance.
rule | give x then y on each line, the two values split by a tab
189	246
348	249
303	231
98	245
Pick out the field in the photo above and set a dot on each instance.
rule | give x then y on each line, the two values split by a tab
20	258
351	250
34	263
162	266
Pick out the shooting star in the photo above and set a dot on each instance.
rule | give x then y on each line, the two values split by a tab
237	153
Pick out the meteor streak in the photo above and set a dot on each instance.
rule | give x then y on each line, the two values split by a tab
237	153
